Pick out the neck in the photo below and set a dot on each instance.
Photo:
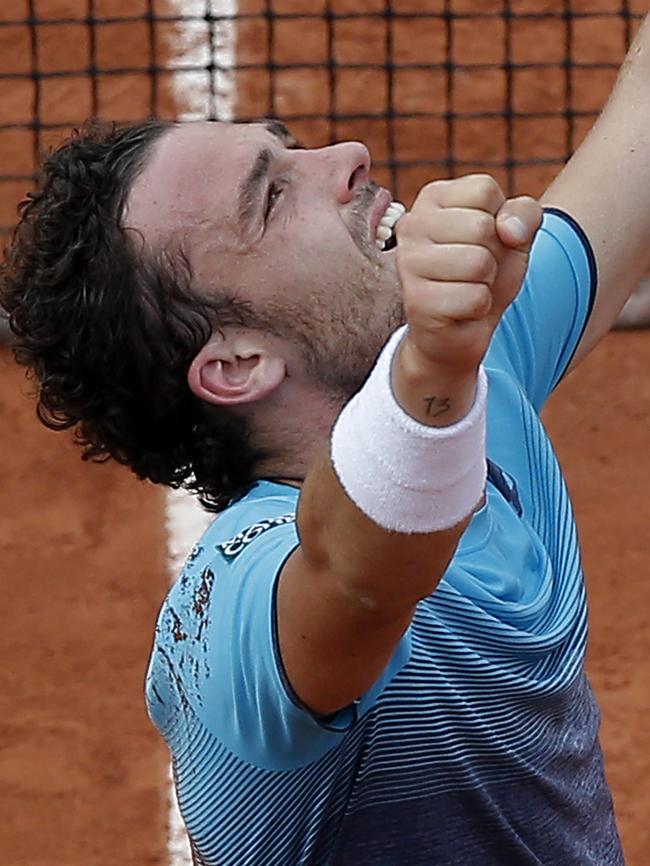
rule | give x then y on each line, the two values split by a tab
293	437
289	467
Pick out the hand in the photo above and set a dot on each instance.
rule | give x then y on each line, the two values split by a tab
462	253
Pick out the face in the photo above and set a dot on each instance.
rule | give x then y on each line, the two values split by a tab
291	231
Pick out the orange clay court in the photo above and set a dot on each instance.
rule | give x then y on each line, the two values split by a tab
83	558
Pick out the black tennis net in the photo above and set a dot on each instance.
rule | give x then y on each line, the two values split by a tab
435	87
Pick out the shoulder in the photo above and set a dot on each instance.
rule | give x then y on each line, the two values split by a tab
541	330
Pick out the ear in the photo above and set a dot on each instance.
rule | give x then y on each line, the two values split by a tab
236	368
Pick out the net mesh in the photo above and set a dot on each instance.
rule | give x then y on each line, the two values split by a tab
434	87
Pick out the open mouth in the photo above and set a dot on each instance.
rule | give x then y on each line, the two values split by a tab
385	238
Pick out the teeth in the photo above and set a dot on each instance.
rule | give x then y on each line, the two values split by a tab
393	212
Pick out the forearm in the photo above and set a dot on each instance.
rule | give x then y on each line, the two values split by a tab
376	571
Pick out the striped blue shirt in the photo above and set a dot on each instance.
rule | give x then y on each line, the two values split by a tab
479	742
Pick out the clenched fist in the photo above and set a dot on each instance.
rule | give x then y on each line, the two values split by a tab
462	253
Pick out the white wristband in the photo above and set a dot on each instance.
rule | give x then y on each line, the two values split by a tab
407	476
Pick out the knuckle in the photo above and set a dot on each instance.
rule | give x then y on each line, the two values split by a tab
481	265
486	190
483	178
437	185
430	192
479	300
485	227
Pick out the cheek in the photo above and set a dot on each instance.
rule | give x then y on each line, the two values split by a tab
304	261
322	235
312	260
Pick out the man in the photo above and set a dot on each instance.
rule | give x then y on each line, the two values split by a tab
375	653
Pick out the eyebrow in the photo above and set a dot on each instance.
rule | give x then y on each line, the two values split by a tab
253	183
281	132
251	186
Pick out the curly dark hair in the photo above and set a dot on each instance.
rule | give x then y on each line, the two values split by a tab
109	330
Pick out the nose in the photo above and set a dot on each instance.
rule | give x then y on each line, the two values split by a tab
345	167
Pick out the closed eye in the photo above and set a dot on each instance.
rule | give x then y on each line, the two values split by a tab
274	193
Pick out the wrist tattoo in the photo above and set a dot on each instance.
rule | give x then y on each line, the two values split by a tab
437	405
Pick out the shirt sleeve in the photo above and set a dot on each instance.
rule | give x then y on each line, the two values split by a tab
240	690
542	328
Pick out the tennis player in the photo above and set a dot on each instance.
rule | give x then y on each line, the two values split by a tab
375	654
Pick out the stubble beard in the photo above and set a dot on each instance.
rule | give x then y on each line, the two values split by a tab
341	340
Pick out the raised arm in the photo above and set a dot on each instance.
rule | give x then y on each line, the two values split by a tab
606	188
378	522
